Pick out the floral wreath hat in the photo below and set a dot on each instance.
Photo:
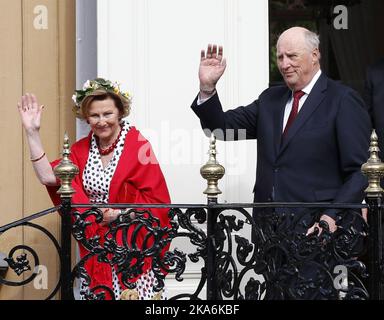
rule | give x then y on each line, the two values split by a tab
96	84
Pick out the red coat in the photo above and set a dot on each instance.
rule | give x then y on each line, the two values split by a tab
133	182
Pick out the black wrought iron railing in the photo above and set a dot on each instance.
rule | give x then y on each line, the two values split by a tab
246	251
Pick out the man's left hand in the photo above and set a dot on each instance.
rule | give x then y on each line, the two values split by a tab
331	223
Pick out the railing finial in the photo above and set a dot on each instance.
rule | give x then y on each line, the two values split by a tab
373	169
66	171
212	171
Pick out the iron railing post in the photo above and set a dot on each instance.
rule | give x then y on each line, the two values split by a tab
374	170
66	171
375	249
212	171
65	265
212	290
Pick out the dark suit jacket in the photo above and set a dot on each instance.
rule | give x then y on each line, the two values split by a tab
374	98
321	155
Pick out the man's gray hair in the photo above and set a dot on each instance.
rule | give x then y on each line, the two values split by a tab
312	40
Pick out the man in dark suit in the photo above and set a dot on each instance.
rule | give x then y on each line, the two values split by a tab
374	98
312	133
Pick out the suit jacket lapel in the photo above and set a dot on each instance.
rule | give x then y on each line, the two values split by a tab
278	117
314	99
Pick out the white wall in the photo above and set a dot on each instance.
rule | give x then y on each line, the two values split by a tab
86	51
153	48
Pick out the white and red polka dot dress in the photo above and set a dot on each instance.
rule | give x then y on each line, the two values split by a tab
96	181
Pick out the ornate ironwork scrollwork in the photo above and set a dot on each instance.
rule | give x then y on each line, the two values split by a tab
283	262
119	248
21	264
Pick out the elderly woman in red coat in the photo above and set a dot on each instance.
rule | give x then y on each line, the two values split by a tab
116	164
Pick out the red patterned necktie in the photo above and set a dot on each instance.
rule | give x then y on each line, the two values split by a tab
295	107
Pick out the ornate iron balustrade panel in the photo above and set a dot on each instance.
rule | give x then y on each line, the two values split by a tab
283	262
23	260
279	260
118	247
